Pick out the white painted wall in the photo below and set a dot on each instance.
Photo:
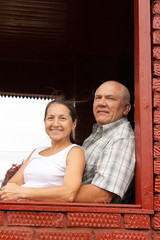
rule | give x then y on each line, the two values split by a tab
21	129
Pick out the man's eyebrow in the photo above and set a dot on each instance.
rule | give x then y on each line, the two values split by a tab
110	95
98	95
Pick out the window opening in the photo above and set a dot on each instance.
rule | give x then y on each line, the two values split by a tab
22	128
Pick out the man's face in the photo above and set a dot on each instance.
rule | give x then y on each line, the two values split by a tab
108	104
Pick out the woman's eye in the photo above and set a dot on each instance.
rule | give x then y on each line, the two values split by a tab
49	118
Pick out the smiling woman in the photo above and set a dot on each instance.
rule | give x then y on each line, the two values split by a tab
22	129
47	173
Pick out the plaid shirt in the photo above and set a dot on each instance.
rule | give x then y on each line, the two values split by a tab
110	157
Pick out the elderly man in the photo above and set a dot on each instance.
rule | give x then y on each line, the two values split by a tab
110	149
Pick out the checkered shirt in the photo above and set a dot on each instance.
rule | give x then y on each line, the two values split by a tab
110	157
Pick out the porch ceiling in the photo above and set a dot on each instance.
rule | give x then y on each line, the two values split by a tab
33	28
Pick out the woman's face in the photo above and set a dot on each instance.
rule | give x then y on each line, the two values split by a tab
58	122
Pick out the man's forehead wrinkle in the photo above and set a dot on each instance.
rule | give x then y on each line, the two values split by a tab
108	95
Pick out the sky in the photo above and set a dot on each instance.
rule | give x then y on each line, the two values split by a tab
21	129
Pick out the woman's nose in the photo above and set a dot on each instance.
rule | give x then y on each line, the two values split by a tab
55	122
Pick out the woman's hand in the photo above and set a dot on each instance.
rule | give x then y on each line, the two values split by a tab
11	191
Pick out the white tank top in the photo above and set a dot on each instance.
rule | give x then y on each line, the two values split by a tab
46	171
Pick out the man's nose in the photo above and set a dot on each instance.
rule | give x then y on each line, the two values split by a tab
103	102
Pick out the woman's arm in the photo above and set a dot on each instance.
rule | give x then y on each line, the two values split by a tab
18	177
63	193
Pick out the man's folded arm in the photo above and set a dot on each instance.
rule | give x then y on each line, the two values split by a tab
93	194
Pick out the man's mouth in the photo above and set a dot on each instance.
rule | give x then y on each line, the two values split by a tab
102	111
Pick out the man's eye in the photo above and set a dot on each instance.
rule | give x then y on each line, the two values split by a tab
98	97
111	98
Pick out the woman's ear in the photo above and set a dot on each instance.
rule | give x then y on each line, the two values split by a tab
127	108
74	125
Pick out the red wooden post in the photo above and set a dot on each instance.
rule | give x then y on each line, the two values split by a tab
143	105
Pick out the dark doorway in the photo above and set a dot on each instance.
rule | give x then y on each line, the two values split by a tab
69	46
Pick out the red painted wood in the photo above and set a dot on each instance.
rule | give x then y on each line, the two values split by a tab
16	234
87	226
156	99
124	235
157	236
156	150
49	219
156	7
157	202
58	207
157	166
1	218
156	130
156	37
104	236
134	235
143	105
156	52
157	184
156	83
93	220
156	22
156	116
63	235
137	221
156	221
156	68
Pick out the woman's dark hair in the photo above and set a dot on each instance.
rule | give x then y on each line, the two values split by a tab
71	108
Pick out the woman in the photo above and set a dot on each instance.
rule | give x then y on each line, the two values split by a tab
51	173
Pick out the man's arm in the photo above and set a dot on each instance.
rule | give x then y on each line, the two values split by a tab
93	194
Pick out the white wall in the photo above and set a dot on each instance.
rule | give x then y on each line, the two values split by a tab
21	129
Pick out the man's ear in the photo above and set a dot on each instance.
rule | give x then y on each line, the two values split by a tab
127	108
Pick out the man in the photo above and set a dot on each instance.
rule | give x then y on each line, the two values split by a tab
110	149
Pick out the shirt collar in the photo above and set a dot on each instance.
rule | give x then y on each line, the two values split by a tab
109	126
